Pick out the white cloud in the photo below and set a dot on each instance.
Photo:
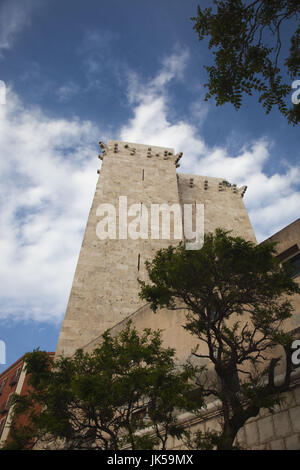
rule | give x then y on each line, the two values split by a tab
151	122
14	17
48	177
172	66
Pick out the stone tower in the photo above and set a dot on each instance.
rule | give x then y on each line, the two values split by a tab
105	288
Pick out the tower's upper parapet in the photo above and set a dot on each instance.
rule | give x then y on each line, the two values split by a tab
208	184
149	151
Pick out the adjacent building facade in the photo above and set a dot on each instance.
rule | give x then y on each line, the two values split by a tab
13	380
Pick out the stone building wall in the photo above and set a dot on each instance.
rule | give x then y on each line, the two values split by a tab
268	431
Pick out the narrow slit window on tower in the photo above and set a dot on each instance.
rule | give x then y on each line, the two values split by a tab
143	175
139	261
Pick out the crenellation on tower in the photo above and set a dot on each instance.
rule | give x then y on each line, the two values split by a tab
242	190
142	150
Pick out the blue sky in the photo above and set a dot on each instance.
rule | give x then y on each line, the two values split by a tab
79	72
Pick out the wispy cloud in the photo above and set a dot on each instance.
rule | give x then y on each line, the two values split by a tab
15	15
145	91
67	91
97	52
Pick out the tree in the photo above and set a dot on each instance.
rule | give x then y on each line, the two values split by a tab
236	295
99	400
245	37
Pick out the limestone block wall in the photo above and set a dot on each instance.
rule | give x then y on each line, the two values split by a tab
268	431
168	321
277	431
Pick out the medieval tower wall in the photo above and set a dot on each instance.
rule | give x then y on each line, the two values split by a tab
223	203
105	287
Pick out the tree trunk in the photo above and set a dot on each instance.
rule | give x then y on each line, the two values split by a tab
226	442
